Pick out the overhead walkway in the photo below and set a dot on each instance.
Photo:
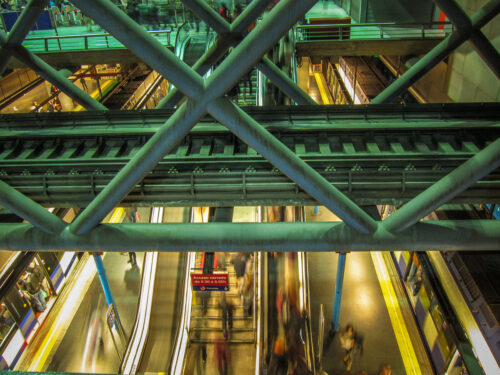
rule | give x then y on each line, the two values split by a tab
330	31
345	145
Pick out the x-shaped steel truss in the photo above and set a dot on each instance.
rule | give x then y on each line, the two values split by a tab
207	96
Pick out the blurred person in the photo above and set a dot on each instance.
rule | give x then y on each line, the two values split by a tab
279	363
347	339
227	311
385	370
239	263
84	83
221	354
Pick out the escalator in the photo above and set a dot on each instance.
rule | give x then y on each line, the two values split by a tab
287	344
155	337
221	320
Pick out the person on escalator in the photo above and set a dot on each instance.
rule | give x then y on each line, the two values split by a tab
221	354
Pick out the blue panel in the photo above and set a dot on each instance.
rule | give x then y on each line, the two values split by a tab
437	358
43	22
57	276
28	323
218	288
420	313
71	264
3	364
10	18
14	362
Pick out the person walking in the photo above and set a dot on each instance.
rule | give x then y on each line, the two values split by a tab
221	355
347	341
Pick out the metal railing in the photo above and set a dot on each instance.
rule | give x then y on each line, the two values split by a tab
85	42
372	31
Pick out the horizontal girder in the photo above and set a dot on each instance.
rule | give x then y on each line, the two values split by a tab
380	154
442	235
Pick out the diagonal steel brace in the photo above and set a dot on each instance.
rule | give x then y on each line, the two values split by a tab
478	40
189	113
437	54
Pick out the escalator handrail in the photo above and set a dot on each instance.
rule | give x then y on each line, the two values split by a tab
132	357
307	302
182	334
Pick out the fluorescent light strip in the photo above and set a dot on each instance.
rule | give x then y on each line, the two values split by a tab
141	329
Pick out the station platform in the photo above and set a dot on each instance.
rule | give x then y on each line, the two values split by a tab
373	302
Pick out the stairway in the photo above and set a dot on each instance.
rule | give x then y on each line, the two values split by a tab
203	328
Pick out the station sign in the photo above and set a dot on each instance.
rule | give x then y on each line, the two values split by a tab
210	282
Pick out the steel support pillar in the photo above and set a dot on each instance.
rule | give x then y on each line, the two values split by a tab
21	28
443	235
339	282
284	83
478	40
207	14
437	54
139	41
446	188
105	286
290	164
29	210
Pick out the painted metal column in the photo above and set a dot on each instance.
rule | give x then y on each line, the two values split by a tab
107	289
339	281
29	210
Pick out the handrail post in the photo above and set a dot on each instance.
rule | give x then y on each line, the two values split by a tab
86	40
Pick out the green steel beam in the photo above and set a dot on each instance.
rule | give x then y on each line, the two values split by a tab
460	235
29	210
283	16
247	129
445	189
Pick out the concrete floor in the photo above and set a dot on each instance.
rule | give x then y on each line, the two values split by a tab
362	306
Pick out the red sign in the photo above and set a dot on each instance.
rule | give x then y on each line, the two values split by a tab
216	281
